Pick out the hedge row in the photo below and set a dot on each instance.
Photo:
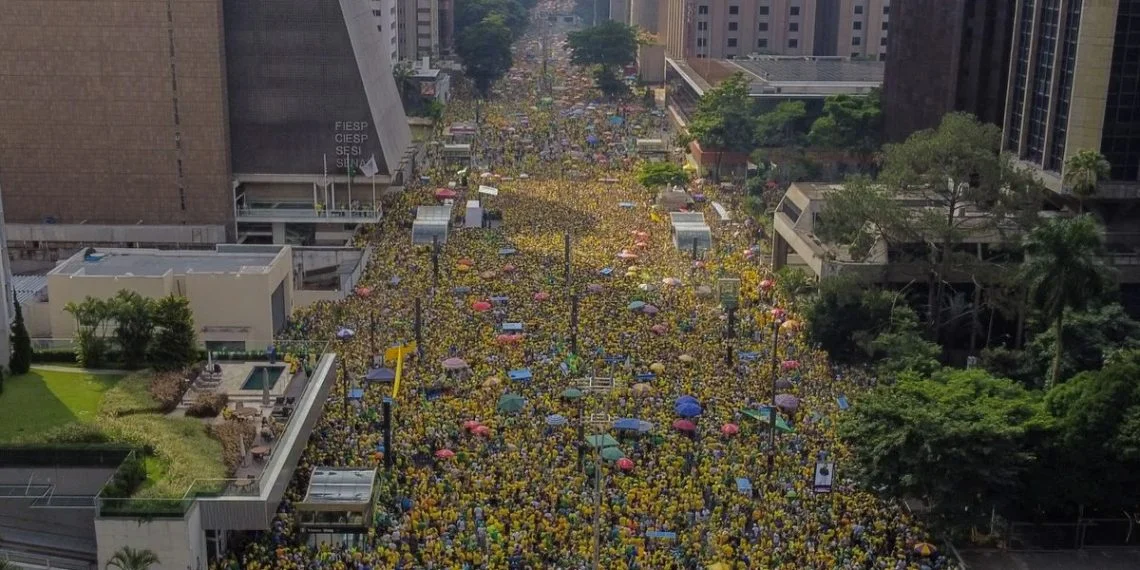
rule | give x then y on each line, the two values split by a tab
67	356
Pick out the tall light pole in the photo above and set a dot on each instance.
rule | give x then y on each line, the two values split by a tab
776	321
345	335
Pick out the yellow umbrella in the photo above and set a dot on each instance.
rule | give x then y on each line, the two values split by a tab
719	566
657	367
924	549
641	389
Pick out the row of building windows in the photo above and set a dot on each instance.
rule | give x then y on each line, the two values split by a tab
734	10
763	26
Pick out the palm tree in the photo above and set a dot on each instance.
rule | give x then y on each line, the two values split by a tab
6	565
128	558
1063	269
1082	173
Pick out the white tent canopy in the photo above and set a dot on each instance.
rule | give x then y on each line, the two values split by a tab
431	221
687	227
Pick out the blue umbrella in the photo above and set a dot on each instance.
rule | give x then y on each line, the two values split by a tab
592	139
687	400
380	375
556	420
631	424
635	305
688	410
345	333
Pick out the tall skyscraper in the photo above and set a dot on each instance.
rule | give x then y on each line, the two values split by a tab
961	64
1075	85
193	122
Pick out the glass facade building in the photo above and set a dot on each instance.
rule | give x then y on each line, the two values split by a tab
1076	52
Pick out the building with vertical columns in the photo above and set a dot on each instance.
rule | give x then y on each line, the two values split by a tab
420	29
971	50
188	123
1074	84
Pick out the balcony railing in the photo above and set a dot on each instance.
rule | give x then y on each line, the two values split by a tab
309	214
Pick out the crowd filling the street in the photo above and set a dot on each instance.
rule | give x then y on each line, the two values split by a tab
509	420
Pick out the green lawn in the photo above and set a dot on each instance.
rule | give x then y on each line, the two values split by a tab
40	400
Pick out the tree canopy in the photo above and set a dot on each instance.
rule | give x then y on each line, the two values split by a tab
958	440
1084	171
471	13
652	174
849	122
606	47
1064	269
485	50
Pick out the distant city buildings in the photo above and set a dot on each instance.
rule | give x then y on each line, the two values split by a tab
732	29
968	48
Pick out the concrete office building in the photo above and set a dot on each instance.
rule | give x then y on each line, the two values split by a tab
971	51
1073	86
190	123
420	29
731	29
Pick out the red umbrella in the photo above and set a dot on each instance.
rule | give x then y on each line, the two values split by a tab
766	284
445	193
470	425
541	296
659	329
444	454
363	291
481	430
508	268
791	364
625	464
730	429
509	338
684	425
480	306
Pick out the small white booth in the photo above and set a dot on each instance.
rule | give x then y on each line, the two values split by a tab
653	150
431	221
690	228
474	215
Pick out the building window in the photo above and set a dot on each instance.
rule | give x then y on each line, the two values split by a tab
793	43
702	26
763	27
733	10
858	10
883	41
379	28
886	10
794	10
731	42
378	13
793	27
856	41
856	25
732	26
763	11
885	26
762	43
702	9
882	57
700	42
1056	155
1041	88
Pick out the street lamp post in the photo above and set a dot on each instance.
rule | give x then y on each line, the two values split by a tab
345	335
772	411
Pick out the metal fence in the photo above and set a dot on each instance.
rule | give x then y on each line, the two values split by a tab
28	561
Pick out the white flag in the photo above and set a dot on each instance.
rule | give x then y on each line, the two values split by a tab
369	168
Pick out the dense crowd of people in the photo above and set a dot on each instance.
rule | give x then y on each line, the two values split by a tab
481	481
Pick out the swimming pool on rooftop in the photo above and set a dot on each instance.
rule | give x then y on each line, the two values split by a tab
258	375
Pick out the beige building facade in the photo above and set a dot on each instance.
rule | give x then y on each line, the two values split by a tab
732	29
237	298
